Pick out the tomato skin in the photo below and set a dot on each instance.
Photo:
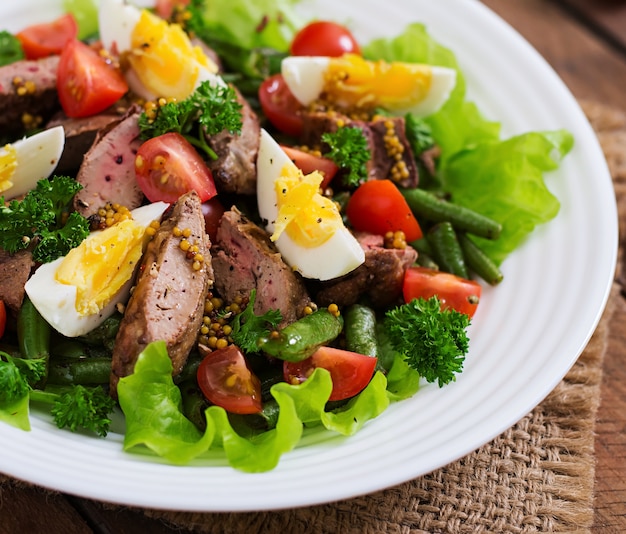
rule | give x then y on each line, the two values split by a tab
49	38
3	318
85	83
308	163
173	156
212	210
324	38
377	206
280	106
226	381
453	291
349	371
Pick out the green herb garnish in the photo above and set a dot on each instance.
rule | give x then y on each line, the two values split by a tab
209	110
42	217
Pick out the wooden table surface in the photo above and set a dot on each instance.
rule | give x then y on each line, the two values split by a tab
585	42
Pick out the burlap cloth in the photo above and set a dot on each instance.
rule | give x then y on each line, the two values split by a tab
538	476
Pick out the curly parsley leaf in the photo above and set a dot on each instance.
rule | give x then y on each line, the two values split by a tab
248	328
431	340
350	151
209	110
83	407
42	217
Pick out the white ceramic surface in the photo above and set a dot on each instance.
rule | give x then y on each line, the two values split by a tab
526	335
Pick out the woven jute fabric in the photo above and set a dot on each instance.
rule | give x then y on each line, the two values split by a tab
538	476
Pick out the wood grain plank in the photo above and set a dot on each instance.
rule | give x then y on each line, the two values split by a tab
590	68
605	17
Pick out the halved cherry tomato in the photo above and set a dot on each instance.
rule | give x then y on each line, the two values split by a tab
308	163
168	166
3	318
49	38
453	291
85	83
280	106
212	210
349	371
165	8
377	206
323	38
226	381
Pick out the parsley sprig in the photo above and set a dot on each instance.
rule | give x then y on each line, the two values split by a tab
42	218
350	151
209	110
248	328
431	340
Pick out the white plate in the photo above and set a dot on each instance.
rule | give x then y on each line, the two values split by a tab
526	335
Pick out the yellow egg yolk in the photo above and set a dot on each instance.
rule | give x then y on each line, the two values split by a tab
307	217
8	164
352	81
164	59
102	264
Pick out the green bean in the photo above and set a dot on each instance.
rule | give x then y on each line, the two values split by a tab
424	260
479	262
105	333
83	371
360	330
448	253
386	352
33	336
72	348
302	338
428	206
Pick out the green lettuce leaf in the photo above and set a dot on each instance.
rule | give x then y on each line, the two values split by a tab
151	403
264	23
16	413
503	179
86	14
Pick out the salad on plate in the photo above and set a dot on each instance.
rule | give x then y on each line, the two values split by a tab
219	235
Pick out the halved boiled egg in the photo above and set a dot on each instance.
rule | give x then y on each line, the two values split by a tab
306	226
25	162
77	292
350	81
162	60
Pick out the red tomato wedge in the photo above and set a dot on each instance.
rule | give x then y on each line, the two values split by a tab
324	38
85	83
280	106
308	163
168	166
226	381
453	291
49	38
3	318
349	371
377	206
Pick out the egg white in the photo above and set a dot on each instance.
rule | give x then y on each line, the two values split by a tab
116	21
304	75
337	256
36	156
56	302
